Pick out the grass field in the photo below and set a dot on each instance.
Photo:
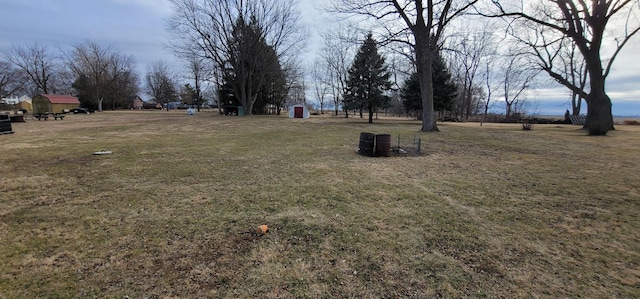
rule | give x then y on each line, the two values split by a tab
486	212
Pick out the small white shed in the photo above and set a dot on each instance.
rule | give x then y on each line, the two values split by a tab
298	111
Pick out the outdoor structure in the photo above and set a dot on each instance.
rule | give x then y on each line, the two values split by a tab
12	110
25	106
53	104
172	105
298	111
151	104
5	125
578	120
135	102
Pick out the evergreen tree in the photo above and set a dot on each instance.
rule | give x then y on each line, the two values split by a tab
410	94
368	79
444	89
254	77
274	89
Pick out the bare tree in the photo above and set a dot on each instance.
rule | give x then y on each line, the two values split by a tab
489	78
160	83
64	79
38	63
199	71
210	96
297	90
336	54
127	85
212	27
320	83
101	73
12	79
576	70
544	26
294	82
426	23
125	78
516	80
471	50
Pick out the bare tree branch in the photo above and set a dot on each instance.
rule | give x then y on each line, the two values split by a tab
588	26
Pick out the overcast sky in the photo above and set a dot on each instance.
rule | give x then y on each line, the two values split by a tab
137	28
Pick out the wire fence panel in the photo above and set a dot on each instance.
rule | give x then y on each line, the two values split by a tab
407	145
386	145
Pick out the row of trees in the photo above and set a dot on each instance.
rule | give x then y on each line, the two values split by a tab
368	84
246	50
95	74
100	76
573	42
465	73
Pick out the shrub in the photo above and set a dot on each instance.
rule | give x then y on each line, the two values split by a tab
631	122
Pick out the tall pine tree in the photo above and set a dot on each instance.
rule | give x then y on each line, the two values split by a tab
368	80
252	66
444	89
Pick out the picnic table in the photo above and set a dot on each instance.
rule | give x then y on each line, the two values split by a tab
45	116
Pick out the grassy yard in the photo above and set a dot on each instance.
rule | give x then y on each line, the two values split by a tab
486	212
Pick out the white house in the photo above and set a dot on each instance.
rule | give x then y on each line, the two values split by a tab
16	100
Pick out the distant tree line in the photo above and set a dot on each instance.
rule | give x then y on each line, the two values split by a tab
96	75
100	76
368	85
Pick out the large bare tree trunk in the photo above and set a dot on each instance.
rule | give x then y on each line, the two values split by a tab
599	114
425	76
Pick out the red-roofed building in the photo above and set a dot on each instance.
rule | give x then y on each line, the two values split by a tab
49	103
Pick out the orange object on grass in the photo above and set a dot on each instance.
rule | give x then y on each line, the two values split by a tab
262	229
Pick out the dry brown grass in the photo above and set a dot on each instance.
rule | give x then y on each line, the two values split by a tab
489	211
